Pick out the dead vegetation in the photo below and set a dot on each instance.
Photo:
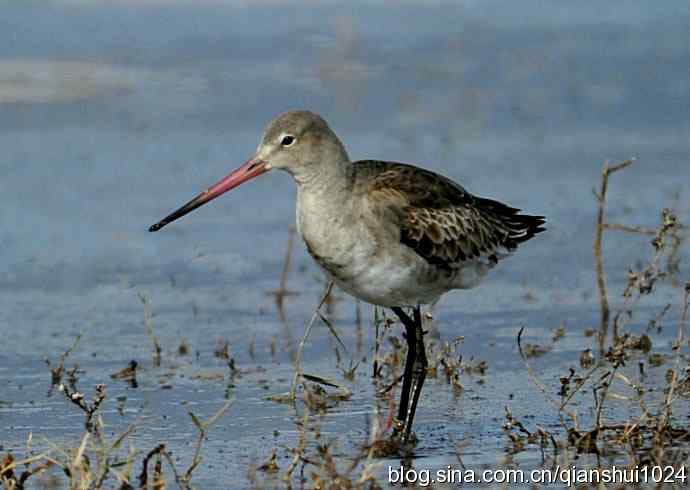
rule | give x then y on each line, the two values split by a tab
99	461
652	434
316	460
99	458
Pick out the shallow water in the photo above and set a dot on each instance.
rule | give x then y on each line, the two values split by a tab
112	114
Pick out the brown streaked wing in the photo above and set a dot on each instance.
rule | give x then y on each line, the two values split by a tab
441	221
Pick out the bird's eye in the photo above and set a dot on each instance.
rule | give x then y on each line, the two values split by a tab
287	140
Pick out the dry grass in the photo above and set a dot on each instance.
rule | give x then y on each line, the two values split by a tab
651	435
96	460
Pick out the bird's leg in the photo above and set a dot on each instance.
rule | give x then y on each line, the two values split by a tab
418	371
410	334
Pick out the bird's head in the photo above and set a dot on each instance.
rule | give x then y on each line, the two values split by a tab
299	142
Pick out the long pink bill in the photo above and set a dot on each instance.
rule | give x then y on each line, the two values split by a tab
250	169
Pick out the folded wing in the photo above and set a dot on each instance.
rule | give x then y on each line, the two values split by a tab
441	221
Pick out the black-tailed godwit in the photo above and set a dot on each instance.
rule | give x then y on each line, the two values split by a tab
390	234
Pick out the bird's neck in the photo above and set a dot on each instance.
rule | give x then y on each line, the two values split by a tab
324	199
329	181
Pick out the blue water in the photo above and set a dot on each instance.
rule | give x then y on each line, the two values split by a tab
114	113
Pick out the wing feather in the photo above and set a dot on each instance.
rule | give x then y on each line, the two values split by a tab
439	219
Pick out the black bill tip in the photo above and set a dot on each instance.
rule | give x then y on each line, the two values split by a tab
190	206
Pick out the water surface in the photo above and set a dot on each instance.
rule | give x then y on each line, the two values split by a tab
114	113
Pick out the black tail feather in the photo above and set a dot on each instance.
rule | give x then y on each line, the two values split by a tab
521	227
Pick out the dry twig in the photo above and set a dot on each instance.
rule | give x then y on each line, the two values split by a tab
148	323
598	255
307	332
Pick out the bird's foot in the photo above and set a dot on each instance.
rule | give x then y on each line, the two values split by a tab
394	445
403	438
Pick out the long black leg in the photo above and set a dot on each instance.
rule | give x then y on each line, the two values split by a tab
415	369
418	371
409	364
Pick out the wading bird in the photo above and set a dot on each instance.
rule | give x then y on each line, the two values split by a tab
390	234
